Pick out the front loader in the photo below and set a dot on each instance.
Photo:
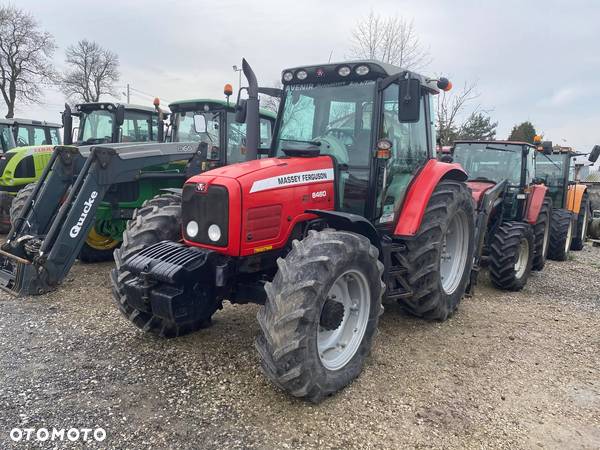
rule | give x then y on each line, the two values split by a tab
513	209
572	207
350	208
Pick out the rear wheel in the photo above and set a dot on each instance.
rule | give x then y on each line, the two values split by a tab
158	219
583	219
541	234
19	201
321	314
561	234
511	255
441	254
97	247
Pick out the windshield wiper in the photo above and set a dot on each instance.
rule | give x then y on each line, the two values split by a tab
316	143
499	149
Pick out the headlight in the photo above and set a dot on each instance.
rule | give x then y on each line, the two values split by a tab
192	228
362	70
344	71
301	75
214	232
288	76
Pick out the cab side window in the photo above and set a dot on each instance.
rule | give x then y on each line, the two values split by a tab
266	133
409	151
135	127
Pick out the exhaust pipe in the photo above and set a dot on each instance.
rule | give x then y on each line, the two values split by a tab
252	113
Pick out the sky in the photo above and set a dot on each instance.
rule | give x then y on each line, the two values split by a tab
535	60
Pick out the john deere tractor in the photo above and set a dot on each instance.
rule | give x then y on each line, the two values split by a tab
572	210
87	193
513	209
350	207
26	146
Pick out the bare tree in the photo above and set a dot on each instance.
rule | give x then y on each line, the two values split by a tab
392	40
271	103
451	106
25	53
93	72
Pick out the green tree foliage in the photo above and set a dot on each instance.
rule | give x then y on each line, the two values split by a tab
524	132
478	126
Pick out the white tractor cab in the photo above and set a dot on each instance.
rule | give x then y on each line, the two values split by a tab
27	132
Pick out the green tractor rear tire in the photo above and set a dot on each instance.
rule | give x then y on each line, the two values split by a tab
19	201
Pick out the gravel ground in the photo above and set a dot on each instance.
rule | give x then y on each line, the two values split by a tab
509	370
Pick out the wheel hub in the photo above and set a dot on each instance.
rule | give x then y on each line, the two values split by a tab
332	314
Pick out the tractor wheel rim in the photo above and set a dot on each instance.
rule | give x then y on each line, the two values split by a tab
522	259
569	237
546	240
584	226
100	242
453	257
337	347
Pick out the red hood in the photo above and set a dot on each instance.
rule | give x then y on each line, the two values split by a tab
479	188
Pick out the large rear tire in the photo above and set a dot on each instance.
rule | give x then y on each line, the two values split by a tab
583	220
561	234
541	234
511	256
440	256
158	219
19	201
321	314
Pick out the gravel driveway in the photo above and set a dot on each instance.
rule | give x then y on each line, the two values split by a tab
509	370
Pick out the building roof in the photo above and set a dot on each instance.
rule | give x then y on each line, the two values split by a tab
593	177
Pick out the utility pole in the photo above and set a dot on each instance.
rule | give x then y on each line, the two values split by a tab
128	94
239	71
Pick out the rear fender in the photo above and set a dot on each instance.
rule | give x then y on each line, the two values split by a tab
574	197
537	194
350	222
419	193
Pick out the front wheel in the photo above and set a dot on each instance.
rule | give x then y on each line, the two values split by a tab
511	256
440	256
561	234
583	219
321	314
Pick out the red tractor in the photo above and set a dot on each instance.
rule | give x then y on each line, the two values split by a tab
350	207
514	209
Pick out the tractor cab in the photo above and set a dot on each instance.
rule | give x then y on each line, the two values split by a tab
28	133
213	122
491	162
103	123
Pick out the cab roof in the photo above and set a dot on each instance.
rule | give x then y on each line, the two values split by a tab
29	122
377	69
478	141
100	105
199	103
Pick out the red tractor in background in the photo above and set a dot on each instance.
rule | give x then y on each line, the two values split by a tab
350	207
514	209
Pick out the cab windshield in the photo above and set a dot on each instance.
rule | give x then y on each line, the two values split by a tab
186	128
6	138
490	161
338	113
96	127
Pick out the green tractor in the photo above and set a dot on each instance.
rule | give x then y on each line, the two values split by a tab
26	148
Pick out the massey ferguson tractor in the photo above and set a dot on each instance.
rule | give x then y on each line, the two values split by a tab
572	209
86	194
513	209
350	207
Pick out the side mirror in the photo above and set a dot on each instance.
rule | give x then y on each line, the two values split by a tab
199	123
120	115
67	122
547	147
409	100
240	111
594	154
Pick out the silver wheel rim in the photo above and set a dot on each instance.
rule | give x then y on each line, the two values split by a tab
584	226
569	237
521	264
337	347
453	258
546	240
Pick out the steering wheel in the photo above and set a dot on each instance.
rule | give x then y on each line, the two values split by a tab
342	135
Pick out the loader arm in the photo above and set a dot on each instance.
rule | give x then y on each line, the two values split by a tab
48	236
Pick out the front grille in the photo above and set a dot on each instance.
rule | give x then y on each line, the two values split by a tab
206	208
4	161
